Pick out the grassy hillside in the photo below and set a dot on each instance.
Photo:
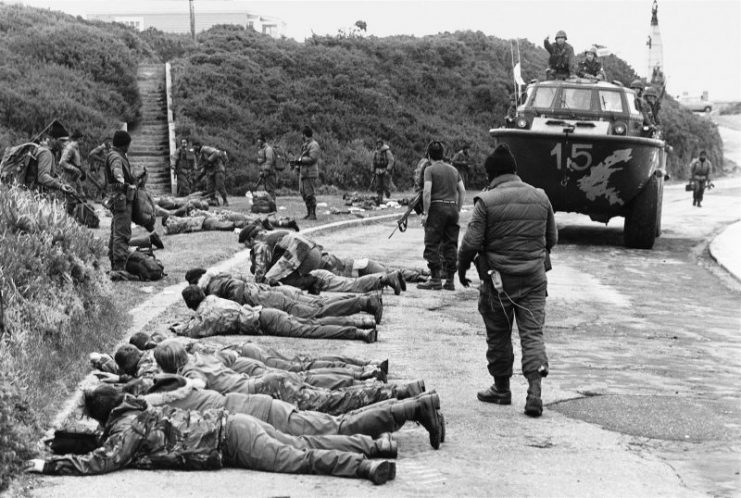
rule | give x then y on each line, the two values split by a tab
54	65
451	86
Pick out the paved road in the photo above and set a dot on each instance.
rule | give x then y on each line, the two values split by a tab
646	344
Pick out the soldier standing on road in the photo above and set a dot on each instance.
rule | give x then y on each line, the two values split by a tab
561	60
71	162
308	164
383	164
211	161
512	230
700	176
442	200
460	162
184	168
266	162
121	190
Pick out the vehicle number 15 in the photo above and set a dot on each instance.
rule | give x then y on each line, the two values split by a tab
579	160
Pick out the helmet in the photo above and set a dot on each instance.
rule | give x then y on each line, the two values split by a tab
561	34
651	92
591	50
637	84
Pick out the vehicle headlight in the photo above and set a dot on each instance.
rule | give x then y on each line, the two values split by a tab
619	129
522	123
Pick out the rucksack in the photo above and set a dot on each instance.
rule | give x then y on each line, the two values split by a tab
145	266
19	164
263	203
280	158
143	209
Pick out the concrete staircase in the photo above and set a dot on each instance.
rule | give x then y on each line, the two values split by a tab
150	145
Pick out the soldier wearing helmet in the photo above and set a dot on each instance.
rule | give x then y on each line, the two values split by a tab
648	120
652	99
591	67
561	60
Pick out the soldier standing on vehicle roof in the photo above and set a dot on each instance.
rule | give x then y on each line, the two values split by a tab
591	67
561	60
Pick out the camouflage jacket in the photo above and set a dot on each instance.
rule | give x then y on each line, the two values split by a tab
266	159
144	437
217	316
279	254
309	159
211	159
700	170
561	57
184	224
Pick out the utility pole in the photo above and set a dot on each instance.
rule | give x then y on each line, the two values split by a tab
192	21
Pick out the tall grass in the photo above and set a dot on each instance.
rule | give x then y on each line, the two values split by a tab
58	306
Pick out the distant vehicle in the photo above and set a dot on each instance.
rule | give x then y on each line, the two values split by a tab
696	103
585	143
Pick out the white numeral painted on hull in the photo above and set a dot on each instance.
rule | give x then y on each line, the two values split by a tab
579	160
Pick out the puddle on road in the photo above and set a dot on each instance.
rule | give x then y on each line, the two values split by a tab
671	418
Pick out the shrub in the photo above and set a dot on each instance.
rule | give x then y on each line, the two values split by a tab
57	303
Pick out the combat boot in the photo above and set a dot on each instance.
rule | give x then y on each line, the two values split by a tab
308	213
499	393
377	472
409	390
428	416
374	305
394	280
156	241
312	213
368	335
385	447
533	403
287	224
449	282
432	283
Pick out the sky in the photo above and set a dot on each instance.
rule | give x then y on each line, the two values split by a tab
701	38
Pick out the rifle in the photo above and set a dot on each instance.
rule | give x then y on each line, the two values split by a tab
401	223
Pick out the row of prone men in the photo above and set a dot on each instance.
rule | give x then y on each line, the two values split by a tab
193	401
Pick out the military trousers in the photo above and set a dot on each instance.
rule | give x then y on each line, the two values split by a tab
298	363
269	182
524	301
118	244
336	311
252	444
306	397
307	189
280	323
329	282
441	237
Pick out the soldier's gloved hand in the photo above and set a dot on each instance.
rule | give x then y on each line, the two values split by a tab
35	466
465	282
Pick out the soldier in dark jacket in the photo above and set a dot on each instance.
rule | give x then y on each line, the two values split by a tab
121	189
266	161
512	229
139	436
561	60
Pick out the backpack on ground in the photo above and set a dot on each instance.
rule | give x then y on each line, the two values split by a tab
145	266
85	215
263	203
19	164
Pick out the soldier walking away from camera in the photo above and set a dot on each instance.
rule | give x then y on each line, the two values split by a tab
383	164
184	168
460	162
591	67
266	162
71	162
121	191
512	231
308	164
212	163
561	60
700	169
442	200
